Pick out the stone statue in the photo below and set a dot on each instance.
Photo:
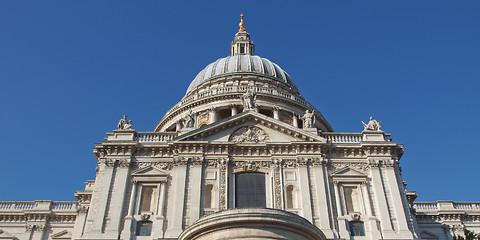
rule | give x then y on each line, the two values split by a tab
248	100
308	119
372	125
190	119
125	124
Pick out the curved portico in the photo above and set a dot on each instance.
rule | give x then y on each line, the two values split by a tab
252	223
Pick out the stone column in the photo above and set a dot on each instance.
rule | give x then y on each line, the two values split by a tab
80	221
213	115
176	203
196	176
100	197
295	120
322	198
276	114
371	220
118	199
38	230
398	206
157	229
127	229
234	110
305	193
383	211
342	224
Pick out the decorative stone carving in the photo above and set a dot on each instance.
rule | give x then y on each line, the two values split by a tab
372	125
248	100
124	163
277	183
358	166
39	227
145	216
29	227
125	124
251	165
308	119
223	182
249	134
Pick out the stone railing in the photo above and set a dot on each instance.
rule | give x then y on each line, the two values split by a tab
155	136
343	137
19	206
447	206
204	93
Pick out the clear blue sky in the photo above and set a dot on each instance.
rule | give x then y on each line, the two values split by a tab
69	70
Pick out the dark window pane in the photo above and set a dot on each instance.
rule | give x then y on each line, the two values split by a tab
144	228
250	190
357	229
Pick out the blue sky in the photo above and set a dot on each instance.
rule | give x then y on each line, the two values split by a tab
69	70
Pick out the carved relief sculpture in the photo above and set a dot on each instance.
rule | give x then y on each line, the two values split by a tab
249	134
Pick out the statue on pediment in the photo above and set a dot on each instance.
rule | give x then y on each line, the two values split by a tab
372	125
308	119
125	124
190	119
248	100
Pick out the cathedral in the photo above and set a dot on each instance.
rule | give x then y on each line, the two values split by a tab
243	156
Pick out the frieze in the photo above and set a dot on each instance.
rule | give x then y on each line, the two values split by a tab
373	162
358	166
161	165
251	165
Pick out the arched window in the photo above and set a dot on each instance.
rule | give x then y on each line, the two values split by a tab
290	196
250	190
144	228
207	196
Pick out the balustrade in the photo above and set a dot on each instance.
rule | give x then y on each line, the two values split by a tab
343	137
37	205
155	136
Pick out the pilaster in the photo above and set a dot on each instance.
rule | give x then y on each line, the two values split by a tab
175	217
305	192
323	201
382	206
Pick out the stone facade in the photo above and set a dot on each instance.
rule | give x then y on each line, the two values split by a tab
242	125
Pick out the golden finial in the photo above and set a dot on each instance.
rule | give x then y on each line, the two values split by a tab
241	24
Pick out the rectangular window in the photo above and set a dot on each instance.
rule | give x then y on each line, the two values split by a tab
351	199
250	190
242	48
148	197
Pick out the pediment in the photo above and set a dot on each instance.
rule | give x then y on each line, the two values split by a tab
255	128
349	172
6	235
149	171
62	235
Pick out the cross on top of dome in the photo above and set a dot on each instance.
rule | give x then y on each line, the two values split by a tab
242	45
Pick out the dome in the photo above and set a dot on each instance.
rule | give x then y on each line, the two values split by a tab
242	64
